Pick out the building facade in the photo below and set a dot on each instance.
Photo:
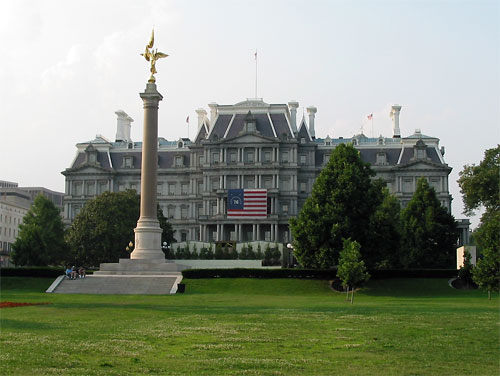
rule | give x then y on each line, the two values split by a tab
248	145
15	202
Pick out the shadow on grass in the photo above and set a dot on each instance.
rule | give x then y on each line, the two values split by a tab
25	325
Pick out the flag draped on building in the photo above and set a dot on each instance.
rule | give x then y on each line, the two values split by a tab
247	203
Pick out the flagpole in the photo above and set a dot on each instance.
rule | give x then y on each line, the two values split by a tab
255	73
372	126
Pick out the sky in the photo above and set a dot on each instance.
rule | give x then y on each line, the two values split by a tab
67	66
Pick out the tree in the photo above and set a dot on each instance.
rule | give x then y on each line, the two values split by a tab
341	204
486	274
429	232
104	227
480	184
480	187
40	240
351	269
382	250
466	270
167	234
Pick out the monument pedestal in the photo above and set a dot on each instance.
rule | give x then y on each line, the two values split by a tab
148	241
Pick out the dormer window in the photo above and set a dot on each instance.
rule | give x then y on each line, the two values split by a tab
355	142
91	155
250	123
302	140
179	161
328	141
381	158
130	145
420	150
128	162
180	145
381	141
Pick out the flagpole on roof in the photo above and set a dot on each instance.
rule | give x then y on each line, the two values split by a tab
187	121
255	73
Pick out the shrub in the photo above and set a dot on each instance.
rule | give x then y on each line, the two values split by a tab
206	254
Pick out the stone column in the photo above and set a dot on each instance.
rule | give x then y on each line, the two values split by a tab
148	231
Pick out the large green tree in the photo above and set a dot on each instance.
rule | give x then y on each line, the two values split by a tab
41	236
429	232
105	226
480	187
382	250
341	204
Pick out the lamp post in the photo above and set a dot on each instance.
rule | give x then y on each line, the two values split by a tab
290	254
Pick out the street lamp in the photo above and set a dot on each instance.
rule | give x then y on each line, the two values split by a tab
129	247
290	254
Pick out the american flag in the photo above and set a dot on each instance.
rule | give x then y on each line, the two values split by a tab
244	203
370	116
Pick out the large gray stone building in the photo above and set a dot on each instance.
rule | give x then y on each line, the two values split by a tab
248	145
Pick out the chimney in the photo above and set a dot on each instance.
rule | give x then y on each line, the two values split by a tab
293	115
123	126
213	112
311	110
202	114
396	133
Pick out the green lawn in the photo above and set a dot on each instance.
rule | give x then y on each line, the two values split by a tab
252	326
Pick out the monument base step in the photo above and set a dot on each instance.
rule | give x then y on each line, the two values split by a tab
129	276
121	284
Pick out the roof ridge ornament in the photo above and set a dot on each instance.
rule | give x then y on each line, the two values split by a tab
152	55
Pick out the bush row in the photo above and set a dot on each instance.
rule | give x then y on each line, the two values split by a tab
38	272
326	274
271	256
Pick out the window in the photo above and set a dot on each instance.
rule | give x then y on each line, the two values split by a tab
232	182
420	153
354	142
184	212
184	189
284	157
303	186
249	182
179	161
92	158
77	188
249	156
215	182
267	182
407	185
284	207
128	162
103	186
200	186
267	156
159	188
215	158
213	207
90	189
171	189
303	159
199	210
285	184
233	156
381	159
201	160
171	211
302	140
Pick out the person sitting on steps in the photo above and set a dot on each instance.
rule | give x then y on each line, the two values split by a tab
81	272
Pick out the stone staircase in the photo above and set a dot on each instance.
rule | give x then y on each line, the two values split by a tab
129	276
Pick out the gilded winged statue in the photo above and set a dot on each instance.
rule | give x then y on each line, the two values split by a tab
152	55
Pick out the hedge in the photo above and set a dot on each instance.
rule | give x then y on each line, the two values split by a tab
326	274
38	272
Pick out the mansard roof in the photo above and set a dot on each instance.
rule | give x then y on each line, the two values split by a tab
304	131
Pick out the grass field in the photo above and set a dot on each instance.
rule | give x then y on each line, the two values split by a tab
252	326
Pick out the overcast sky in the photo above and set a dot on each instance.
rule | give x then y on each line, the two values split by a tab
67	66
